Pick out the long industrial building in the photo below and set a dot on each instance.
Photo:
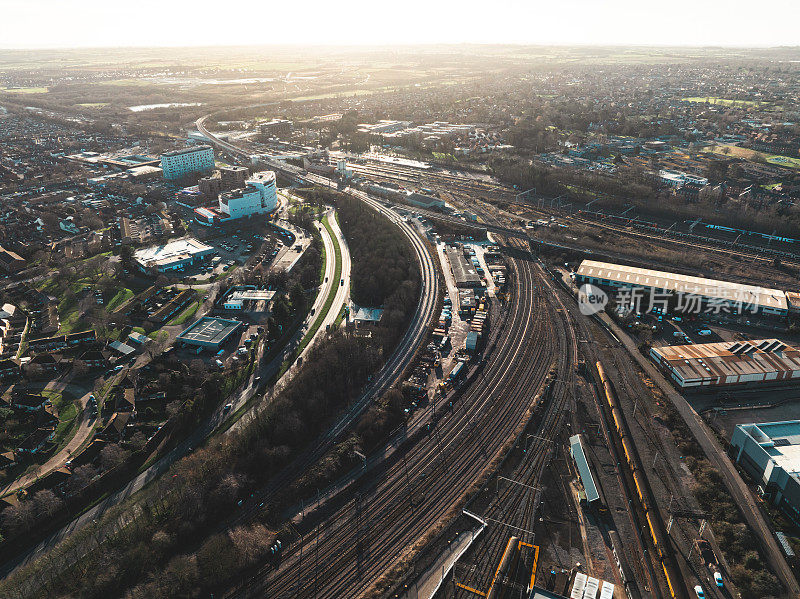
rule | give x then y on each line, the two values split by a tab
464	272
770	452
729	363
714	294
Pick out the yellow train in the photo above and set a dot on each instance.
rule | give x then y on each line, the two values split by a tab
655	526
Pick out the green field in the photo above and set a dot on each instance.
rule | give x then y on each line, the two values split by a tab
122	296
185	315
337	274
755	155
67	412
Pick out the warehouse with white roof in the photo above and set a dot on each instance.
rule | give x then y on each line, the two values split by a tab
770	452
733	297
175	255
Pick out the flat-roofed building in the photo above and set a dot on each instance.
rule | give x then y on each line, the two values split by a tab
584	469
464	272
770	452
712	294
423	200
179	163
209	332
241	298
275	127
175	255
233	176
729	363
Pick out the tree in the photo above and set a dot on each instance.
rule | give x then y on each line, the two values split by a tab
112	456
80	478
46	503
173	408
18	518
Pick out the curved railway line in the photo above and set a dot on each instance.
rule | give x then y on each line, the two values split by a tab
387	376
347	553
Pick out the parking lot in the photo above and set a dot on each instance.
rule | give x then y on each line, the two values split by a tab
233	251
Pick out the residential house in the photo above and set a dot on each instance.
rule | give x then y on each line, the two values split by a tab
7	460
115	429
9	369
42	364
29	402
36	441
93	359
10	262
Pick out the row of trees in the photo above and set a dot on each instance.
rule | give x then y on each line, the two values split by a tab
385	271
639	190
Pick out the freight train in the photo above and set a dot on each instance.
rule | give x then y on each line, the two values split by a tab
644	494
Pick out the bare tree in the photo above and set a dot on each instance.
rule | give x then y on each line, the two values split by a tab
46	503
112	456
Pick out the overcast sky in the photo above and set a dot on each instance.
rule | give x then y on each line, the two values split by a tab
82	23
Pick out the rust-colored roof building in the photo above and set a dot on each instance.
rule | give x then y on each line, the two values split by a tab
729	363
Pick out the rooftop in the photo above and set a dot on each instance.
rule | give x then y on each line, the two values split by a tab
262	177
780	440
170	252
187	150
209	330
251	295
708	288
712	360
576	449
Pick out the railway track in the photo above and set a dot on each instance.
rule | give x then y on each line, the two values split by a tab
515	504
350	551
387	376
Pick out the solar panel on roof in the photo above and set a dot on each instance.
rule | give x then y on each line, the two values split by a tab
735	347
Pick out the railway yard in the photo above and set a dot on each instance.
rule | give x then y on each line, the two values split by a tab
536	451
441	321
477	494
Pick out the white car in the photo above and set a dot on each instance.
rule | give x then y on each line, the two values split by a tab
718	579
698	590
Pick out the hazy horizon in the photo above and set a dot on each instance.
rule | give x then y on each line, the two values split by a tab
52	24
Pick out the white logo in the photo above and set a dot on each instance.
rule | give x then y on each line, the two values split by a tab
591	299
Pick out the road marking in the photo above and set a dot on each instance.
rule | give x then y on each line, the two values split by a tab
535	561
470	589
